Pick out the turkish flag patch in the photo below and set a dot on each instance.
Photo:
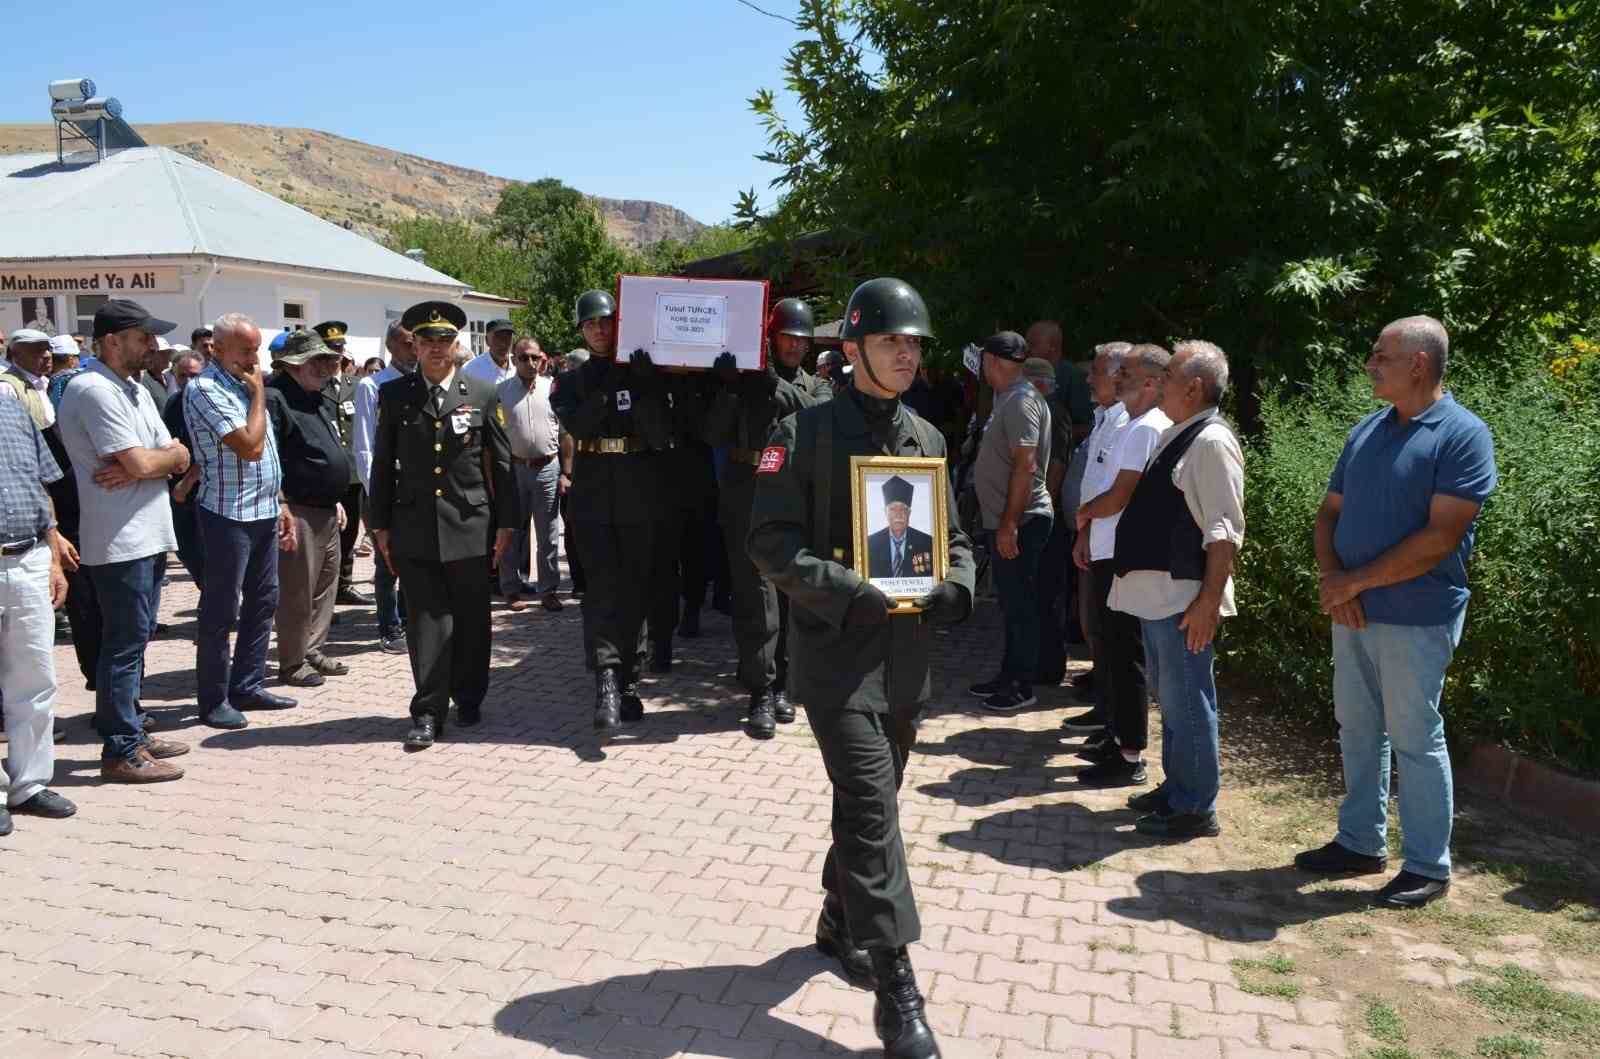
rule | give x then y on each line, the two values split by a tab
771	459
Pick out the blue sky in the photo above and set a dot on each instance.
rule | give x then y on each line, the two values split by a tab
624	98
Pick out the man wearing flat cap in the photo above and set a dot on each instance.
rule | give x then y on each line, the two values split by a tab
341	393
316	477
440	463
898	550
494	366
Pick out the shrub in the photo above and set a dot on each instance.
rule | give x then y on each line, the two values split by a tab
1527	672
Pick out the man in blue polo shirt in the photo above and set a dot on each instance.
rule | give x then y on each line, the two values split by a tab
1393	553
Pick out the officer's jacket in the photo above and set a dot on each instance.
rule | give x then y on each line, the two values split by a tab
434	477
603	400
873	668
741	417
341	390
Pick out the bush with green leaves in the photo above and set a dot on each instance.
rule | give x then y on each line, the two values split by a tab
1527	672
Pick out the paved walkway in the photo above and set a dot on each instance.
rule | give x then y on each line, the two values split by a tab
309	889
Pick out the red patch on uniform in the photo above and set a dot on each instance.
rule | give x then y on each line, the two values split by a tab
771	460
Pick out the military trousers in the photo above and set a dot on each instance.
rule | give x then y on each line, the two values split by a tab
865	755
618	560
308	580
347	537
447	616
760	611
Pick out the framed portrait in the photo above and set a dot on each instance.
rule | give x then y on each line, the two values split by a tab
902	542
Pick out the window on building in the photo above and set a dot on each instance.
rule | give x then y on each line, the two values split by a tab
294	314
40	313
480	341
86	306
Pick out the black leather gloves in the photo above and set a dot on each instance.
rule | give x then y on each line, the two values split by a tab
726	368
947	604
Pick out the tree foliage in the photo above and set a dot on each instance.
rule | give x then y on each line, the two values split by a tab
1282	176
526	212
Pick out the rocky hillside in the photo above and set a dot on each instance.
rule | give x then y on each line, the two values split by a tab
345	180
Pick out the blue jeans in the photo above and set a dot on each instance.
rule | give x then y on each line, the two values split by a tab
536	506
1016	582
191	552
127	595
240	591
1386	685
386	589
1188	693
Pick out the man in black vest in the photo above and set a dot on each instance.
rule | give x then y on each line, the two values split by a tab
1173	568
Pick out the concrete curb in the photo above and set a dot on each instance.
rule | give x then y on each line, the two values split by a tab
1528	786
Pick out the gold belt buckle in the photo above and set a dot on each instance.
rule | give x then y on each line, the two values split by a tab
614	446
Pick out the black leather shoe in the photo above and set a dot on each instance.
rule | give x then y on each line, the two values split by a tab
45	803
690	625
225	717
761	723
833	939
1118	772
5	822
1179	825
1100	753
1334	859
421	735
1410	890
632	704
607	701
264	700
782	708
661	655
351	596
898	1013
469	716
1151	801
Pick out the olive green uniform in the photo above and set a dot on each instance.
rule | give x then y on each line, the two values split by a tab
863	686
437	470
341	390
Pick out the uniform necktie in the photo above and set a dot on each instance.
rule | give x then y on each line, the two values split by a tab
436	398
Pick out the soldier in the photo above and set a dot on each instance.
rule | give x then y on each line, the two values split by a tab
440	460
740	418
617	415
678	569
341	390
860	670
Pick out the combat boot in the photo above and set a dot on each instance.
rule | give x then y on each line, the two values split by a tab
632	704
833	939
898	1013
607	701
761	724
782	708
661	655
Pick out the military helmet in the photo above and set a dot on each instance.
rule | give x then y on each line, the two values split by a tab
886	306
792	316
593	304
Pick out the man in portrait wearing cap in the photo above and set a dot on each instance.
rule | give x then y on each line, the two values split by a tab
739	420
316	477
899	550
616	412
341	387
440	462
861	672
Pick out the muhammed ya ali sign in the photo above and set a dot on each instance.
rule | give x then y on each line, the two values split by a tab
161	280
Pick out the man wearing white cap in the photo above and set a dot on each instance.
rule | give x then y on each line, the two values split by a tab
64	355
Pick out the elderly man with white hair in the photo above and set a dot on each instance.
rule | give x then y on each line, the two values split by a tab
1173	567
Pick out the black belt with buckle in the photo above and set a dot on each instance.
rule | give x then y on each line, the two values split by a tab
19	547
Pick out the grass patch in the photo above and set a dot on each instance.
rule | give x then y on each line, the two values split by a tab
1383	1021
1509	1047
1389	1051
1268	976
1476	924
1520	998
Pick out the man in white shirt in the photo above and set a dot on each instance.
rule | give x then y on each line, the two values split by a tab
402	362
535	437
1119	758
494	366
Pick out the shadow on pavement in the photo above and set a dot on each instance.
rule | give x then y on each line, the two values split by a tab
1244	905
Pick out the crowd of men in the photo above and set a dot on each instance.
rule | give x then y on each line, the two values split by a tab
1108	509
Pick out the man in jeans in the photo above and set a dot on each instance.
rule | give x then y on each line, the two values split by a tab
535	437
1119	760
122	457
242	526
1174	572
402	362
1393	551
1010	480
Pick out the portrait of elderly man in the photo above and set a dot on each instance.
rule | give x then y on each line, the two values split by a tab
899	550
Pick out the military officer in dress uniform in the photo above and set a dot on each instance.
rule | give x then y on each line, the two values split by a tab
859	668
440	461
341	390
740	419
617	414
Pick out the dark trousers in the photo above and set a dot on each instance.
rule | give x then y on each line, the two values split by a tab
1055	563
1124	690
191	549
240	592
347	536
391	607
127	595
447	611
580	583
678	571
619	562
760	611
86	621
1016	582
865	755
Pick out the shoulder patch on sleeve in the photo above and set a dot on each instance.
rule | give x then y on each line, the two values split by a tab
772	458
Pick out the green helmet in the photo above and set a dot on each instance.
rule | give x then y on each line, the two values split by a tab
886	306
593	304
792	316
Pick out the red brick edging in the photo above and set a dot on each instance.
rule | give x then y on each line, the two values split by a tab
1526	785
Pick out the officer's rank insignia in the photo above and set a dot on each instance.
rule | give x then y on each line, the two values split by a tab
771	459
624	400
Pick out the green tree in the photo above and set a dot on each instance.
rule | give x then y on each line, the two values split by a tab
465	251
574	254
525	211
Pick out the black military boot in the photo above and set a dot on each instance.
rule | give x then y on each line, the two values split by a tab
761	724
782	708
607	701
898	1013
422	732
632	704
689	625
833	939
661	655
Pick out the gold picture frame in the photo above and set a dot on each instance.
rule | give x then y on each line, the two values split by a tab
923	551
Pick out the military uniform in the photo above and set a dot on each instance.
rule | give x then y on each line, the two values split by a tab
862	674
618	416
341	391
440	462
678	570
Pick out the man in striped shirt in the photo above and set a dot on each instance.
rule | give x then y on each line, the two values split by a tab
242	525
